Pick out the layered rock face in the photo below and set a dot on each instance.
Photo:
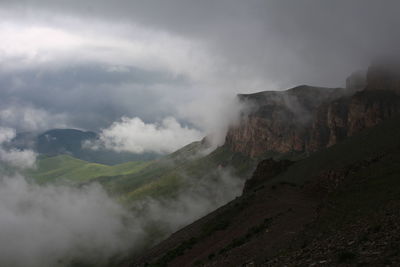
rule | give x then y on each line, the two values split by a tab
346	116
306	119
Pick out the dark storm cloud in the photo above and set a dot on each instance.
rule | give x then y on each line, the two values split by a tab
288	41
100	92
246	46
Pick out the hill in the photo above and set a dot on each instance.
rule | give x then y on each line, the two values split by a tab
163	178
163	195
168	176
65	168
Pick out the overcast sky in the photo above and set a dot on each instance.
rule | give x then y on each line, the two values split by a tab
87	64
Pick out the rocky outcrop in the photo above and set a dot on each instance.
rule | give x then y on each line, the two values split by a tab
278	121
307	119
345	117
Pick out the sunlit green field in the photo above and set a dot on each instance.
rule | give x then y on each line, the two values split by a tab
139	179
69	169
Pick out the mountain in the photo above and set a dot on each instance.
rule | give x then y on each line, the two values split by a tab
63	141
306	119
278	122
331	208
329	196
69	142
163	178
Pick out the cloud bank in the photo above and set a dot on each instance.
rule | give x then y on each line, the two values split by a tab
16	158
201	197
25	117
93	63
59	225
134	135
52	225
56	225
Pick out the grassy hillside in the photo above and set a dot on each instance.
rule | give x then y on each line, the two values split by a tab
67	168
135	180
167	176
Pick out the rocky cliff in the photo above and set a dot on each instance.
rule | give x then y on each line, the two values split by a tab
278	121
306	119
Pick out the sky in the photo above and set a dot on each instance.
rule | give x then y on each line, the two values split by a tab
104	65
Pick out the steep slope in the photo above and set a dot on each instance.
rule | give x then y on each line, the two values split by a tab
167	177
338	206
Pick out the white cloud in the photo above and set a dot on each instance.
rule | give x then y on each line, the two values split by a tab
20	159
134	135
6	134
35	43
119	45
51	225
66	42
216	118
29	118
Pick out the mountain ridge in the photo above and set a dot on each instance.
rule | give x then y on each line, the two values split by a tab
305	119
288	209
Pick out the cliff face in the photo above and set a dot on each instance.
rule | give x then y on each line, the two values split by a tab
278	121
306	119
345	117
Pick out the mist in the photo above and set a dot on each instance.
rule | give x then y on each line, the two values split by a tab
16	158
165	216
60	225
133	135
54	225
